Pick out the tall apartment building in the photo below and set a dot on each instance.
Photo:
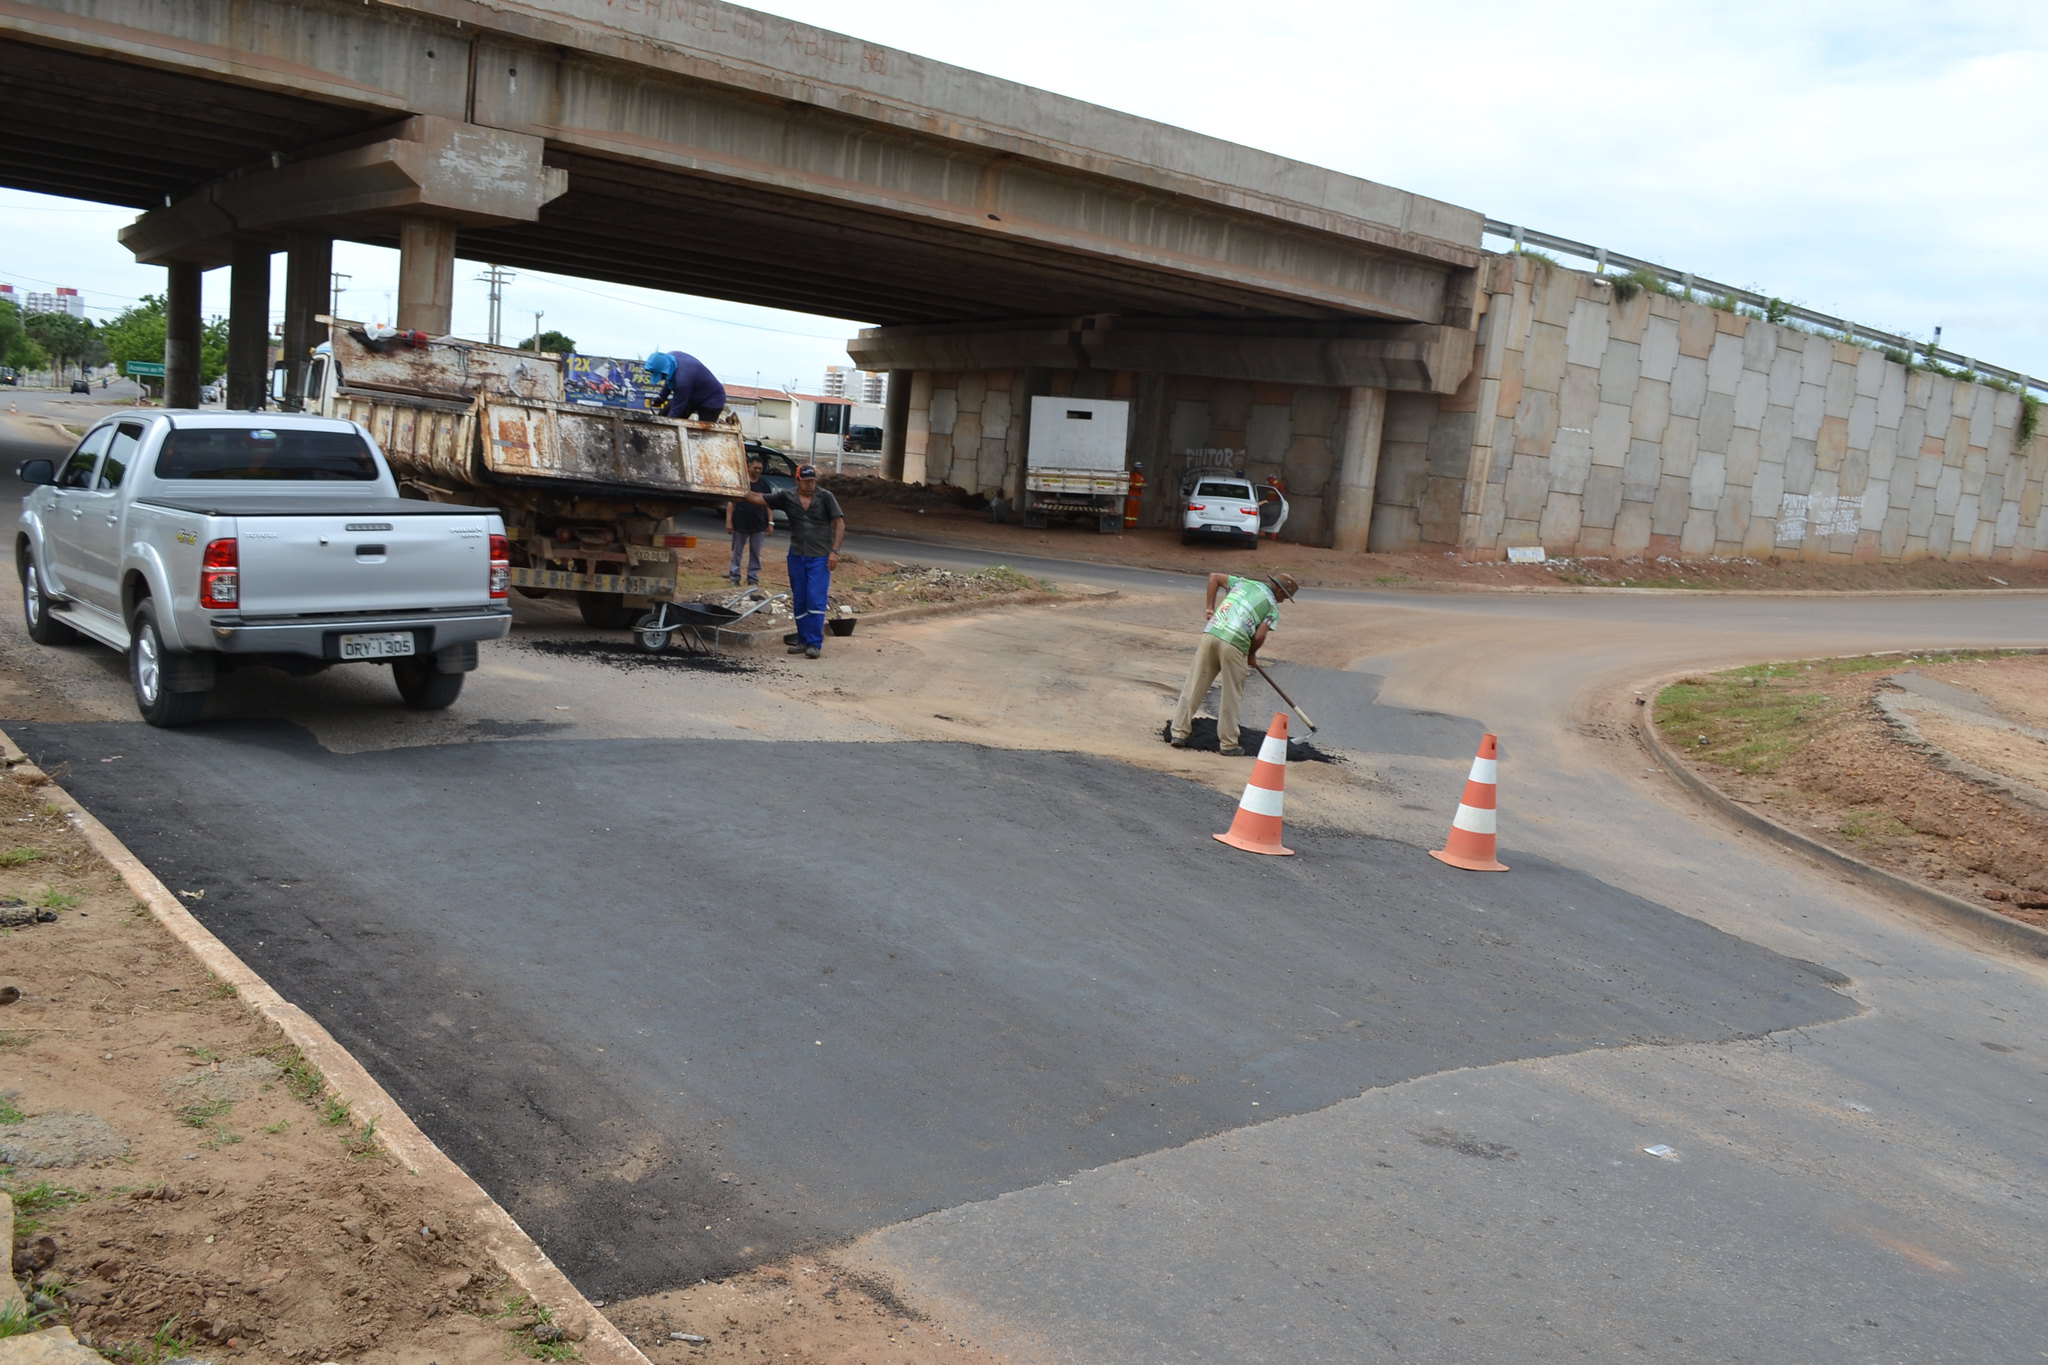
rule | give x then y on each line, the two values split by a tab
862	386
62	301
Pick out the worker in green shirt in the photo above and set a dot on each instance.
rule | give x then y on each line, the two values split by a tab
1228	648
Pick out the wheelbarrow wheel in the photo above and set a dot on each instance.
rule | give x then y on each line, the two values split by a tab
653	631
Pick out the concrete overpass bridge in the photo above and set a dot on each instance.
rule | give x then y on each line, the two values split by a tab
700	147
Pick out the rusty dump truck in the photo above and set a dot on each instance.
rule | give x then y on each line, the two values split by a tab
591	495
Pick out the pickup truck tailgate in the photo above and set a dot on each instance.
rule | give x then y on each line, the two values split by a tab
302	565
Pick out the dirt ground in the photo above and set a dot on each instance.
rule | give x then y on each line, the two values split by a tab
1863	785
947	515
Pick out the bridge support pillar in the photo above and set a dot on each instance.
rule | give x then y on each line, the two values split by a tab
308	276
1358	470
182	335
426	275
895	422
249	324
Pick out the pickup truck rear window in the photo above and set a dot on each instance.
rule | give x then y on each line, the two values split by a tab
281	453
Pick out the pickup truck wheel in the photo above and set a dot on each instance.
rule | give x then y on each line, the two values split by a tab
43	628
606	611
423	686
149	673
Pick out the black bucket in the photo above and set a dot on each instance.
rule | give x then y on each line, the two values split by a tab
842	625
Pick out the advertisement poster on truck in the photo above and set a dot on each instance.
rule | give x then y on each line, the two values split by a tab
607	381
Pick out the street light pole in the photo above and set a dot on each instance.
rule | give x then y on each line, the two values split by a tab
537	315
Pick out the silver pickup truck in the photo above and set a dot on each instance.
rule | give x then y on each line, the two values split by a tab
194	541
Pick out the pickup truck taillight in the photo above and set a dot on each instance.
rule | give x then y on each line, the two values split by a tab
220	576
501	567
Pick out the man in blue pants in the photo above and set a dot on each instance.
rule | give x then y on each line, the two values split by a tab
817	527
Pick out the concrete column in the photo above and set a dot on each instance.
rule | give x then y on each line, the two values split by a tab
308	275
917	424
182	336
1358	470
249	324
426	276
895	423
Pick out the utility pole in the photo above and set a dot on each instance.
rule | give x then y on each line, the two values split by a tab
496	277
335	289
537	315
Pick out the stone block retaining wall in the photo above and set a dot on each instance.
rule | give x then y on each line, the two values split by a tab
1666	427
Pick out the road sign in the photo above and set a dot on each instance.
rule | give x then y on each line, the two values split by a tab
153	369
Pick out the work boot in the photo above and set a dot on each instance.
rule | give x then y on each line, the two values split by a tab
813	652
797	648
1234	751
1178	741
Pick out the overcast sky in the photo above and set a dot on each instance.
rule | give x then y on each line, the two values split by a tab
1882	160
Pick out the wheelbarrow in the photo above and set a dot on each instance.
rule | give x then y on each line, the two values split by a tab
692	625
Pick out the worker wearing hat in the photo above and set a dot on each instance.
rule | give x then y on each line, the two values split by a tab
688	388
1228	648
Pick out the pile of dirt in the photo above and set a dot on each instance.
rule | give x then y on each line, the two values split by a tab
1861	784
902	585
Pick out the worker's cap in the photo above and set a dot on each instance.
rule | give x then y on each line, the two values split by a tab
807	471
1285	584
661	363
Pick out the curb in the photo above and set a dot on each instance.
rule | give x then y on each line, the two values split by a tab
2003	930
507	1243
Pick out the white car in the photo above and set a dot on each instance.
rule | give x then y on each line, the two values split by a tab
1219	504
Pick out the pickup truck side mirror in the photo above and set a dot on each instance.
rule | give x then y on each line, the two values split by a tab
34	472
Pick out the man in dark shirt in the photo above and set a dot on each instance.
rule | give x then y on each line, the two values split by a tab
816	529
748	525
688	388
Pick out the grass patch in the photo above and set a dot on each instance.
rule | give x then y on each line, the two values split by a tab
161	1345
18	1320
1003	578
1753	718
32	1203
1874	827
53	899
538	1337
10	1112
18	857
203	1112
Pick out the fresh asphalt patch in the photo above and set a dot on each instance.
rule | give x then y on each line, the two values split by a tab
687	1006
630	658
1202	736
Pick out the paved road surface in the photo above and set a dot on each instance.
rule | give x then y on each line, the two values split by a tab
1163	1102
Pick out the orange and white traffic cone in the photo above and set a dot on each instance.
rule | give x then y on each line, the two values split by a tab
1257	826
1470	844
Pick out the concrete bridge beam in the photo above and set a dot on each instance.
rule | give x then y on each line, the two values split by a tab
462	174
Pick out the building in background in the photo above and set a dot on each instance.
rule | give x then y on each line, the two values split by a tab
62	301
869	388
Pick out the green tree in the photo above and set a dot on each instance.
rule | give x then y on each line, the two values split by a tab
138	334
550	340
65	337
17	347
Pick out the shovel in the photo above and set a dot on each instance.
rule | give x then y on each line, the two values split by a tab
1284	697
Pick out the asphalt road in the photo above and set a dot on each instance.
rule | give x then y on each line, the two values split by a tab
1101	1090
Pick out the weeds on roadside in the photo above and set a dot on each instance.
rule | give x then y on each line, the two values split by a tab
53	899
18	1320
33	1202
538	1337
200	1113
161	1345
10	1112
18	857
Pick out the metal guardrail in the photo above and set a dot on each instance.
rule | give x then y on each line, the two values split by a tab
1602	258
